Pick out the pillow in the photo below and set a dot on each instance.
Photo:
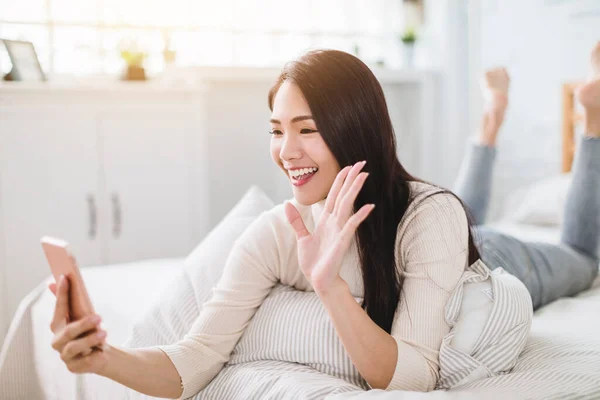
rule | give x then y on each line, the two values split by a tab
542	203
177	307
206	262
485	340
304	359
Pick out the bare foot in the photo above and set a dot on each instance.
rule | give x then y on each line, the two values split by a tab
494	87
589	95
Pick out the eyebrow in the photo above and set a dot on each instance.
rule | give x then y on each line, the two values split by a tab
295	119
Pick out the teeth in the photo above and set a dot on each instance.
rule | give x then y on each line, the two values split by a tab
298	172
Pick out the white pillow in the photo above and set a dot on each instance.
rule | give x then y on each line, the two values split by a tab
206	262
542	203
177	307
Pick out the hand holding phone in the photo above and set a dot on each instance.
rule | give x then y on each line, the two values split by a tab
78	336
81	344
62	262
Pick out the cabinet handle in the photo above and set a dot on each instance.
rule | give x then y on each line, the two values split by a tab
116	215
93	216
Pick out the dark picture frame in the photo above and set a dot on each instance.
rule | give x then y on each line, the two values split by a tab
25	63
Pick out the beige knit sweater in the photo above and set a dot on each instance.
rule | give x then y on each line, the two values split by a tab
431	253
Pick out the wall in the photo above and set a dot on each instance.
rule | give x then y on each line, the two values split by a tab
444	40
544	43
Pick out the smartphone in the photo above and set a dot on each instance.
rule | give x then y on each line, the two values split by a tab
62	262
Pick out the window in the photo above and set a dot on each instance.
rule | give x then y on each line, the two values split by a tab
86	36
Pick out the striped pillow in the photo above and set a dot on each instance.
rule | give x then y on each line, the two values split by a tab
290	345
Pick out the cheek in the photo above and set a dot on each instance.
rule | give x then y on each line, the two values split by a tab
328	165
327	161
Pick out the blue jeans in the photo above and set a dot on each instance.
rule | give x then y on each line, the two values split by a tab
549	271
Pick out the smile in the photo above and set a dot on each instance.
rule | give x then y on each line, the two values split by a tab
301	176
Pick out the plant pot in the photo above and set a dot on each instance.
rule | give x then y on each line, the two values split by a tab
409	53
134	73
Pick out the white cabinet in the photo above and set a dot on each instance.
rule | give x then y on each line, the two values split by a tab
116	175
48	185
147	170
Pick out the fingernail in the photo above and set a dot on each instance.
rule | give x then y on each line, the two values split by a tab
364	162
101	335
96	319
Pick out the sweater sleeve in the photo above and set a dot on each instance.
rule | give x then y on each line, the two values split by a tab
248	277
432	254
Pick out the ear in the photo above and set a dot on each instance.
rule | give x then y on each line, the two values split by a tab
295	219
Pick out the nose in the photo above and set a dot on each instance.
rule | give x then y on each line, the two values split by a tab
290	148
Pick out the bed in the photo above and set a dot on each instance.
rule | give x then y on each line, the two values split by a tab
31	369
561	360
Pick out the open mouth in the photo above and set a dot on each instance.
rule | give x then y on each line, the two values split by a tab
300	177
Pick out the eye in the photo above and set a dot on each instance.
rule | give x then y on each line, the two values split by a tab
308	131
275	132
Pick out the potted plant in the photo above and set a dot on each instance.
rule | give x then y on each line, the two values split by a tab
409	37
135	65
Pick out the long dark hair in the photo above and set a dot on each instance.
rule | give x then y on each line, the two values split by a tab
350	111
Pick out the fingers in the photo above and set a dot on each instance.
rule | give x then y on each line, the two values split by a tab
354	221
295	219
335	189
52	288
82	346
61	310
346	206
87	351
89	363
74	330
352	174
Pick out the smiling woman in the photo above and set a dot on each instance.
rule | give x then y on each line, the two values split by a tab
298	148
359	226
341	237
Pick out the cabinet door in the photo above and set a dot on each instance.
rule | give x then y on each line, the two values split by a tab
48	186
146	159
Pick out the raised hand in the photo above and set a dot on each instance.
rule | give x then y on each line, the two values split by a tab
320	254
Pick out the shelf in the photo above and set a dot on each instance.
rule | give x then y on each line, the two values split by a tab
187	79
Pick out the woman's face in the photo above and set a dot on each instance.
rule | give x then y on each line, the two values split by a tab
298	148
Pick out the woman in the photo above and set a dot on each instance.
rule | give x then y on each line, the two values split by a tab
404	257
